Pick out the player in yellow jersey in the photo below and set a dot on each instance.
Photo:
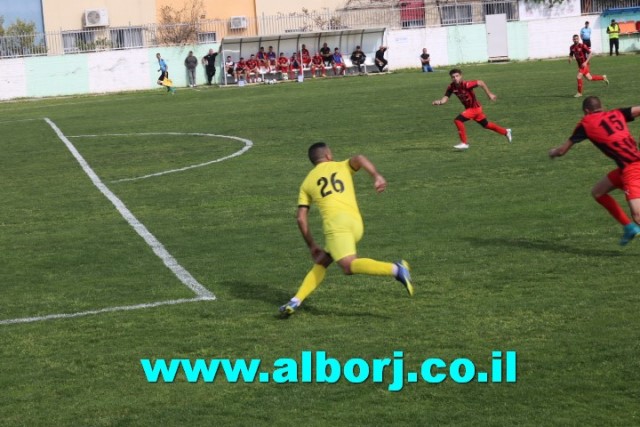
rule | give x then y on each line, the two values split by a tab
330	186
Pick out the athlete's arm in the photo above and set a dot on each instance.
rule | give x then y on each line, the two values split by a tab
440	101
635	111
317	253
486	90
361	161
561	150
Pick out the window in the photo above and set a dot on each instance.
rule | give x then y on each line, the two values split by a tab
78	41
124	38
498	7
456	14
207	37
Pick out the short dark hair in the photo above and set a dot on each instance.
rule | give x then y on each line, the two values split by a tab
455	70
592	103
316	151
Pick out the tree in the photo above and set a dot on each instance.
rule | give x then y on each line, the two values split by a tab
21	37
180	26
1	25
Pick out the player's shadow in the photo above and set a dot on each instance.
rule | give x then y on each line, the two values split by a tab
276	297
541	245
256	292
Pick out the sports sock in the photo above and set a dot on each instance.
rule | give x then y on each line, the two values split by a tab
311	281
461	130
596	78
371	267
610	204
579	85
496	128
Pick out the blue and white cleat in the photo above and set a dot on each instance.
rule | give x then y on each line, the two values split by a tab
288	309
403	276
630	231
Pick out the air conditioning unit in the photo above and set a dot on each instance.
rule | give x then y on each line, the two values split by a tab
238	22
96	18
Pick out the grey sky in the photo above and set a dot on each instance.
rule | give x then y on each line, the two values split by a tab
27	10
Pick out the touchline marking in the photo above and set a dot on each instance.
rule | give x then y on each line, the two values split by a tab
247	145
180	272
103	310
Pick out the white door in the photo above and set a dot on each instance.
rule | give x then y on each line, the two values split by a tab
497	45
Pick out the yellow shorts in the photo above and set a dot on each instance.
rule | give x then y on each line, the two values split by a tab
341	235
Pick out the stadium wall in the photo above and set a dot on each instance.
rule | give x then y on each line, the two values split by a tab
135	69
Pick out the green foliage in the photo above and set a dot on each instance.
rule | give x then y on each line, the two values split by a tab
508	251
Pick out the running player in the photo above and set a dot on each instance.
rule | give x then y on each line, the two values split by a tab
329	185
609	132
473	110
582	53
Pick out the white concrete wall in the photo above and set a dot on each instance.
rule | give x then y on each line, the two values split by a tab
134	69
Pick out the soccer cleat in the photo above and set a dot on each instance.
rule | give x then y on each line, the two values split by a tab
288	309
606	80
508	135
630	231
461	146
403	276
577	95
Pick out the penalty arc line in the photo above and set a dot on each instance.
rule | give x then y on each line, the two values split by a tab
158	248
247	145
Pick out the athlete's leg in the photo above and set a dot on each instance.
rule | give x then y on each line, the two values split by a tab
492	126
600	193
579	77
462	133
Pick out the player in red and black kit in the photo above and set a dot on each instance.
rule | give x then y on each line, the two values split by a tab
464	91
282	65
582	53
608	131
317	63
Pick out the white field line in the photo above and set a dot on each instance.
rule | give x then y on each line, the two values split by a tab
247	145
180	272
103	310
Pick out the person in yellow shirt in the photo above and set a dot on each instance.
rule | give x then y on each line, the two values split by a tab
614	36
330	187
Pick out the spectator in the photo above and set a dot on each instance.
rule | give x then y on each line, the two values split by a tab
261	57
229	67
294	65
272	58
614	33
380	61
357	58
338	62
241	69
252	68
209	61
327	57
306	57
282	65
191	62
425	60
585	35
317	62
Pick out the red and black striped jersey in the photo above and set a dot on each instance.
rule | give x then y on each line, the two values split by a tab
464	92
608	131
580	52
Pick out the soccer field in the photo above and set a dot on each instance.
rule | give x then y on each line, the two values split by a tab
149	226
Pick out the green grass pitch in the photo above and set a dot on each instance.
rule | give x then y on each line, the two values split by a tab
508	250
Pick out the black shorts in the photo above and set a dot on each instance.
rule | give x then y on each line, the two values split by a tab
163	75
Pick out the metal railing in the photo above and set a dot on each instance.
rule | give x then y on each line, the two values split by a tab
412	14
591	7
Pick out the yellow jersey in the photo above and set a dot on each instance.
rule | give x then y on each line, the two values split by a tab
329	185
